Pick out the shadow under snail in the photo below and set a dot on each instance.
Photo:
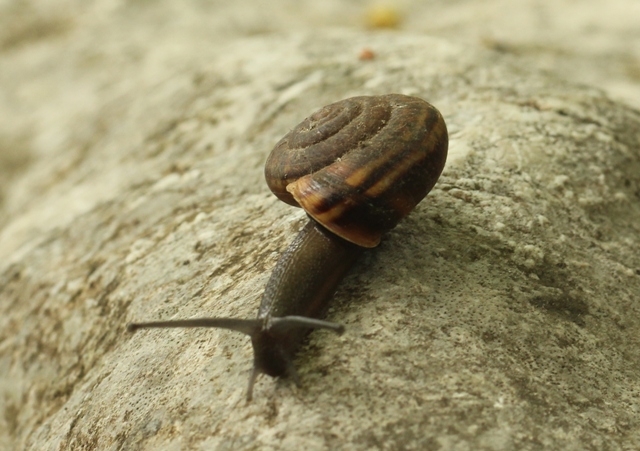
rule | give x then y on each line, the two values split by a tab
357	167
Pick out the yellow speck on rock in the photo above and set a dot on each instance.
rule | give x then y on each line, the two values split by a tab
382	16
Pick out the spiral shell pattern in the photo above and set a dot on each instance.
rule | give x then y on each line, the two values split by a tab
358	166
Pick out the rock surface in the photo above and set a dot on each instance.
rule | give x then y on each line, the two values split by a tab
502	314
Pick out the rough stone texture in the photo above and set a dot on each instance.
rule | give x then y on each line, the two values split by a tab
504	313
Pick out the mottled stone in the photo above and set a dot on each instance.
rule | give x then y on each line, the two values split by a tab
502	314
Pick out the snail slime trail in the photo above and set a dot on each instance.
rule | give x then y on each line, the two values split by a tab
357	167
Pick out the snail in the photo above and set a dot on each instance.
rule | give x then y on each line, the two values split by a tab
357	167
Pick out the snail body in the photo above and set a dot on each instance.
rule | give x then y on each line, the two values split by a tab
357	167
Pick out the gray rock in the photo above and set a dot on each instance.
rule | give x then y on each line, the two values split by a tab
502	314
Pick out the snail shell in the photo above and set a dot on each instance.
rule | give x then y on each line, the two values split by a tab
358	166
